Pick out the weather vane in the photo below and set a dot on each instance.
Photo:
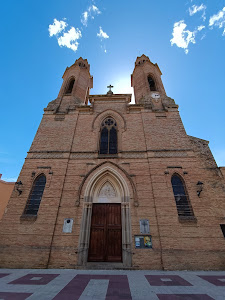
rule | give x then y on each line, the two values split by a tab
110	91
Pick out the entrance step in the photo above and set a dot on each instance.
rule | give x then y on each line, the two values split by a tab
107	266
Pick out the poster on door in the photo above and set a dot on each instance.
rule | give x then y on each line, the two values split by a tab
143	241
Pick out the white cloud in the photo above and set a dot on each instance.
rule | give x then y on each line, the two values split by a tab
200	27
69	39
181	37
95	9
102	34
84	18
194	9
90	12
56	27
218	20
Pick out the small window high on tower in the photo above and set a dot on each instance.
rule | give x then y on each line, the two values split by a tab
151	83
70	86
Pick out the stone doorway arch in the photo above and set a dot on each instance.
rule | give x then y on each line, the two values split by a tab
106	185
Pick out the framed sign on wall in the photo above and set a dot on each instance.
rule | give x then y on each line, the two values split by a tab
144	226
143	241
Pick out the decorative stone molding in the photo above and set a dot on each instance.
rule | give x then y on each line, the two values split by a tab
133	155
108	183
46	155
107	191
170	154
135	199
80	155
60	117
109	113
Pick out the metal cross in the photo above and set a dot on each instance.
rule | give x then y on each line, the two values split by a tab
110	87
144	224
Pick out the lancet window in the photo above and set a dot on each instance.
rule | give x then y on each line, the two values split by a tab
35	196
108	137
181	197
151	83
70	86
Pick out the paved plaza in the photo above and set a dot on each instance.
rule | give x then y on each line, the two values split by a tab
61	284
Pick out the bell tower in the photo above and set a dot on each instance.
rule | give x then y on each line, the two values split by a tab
74	91
146	79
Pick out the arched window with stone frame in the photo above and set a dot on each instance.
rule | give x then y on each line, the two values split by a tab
108	137
70	85
151	83
183	204
34	199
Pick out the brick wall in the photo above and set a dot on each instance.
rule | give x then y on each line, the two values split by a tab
153	145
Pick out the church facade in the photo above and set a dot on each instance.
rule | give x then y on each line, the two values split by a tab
109	182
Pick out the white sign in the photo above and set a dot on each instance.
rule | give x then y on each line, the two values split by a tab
67	226
144	226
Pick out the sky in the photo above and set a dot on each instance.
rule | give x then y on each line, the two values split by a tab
39	39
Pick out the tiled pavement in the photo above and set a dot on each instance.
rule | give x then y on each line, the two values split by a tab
110	284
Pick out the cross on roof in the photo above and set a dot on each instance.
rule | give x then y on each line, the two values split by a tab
110	87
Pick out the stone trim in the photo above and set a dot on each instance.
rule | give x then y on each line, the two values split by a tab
136	204
171	154
121	154
133	155
86	227
124	198
96	124
82	155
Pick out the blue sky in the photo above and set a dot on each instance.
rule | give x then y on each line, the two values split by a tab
41	38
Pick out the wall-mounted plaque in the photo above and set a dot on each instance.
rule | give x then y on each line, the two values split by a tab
144	226
143	241
67	226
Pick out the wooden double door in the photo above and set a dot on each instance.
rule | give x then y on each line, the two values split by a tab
106	233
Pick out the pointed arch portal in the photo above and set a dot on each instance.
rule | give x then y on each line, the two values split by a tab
105	233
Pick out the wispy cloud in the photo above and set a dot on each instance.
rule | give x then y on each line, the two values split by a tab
200	28
181	37
91	12
218	20
102	34
195	9
67	39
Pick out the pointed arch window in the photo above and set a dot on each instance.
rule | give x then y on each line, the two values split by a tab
184	207
70	86
108	137
35	196
151	83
